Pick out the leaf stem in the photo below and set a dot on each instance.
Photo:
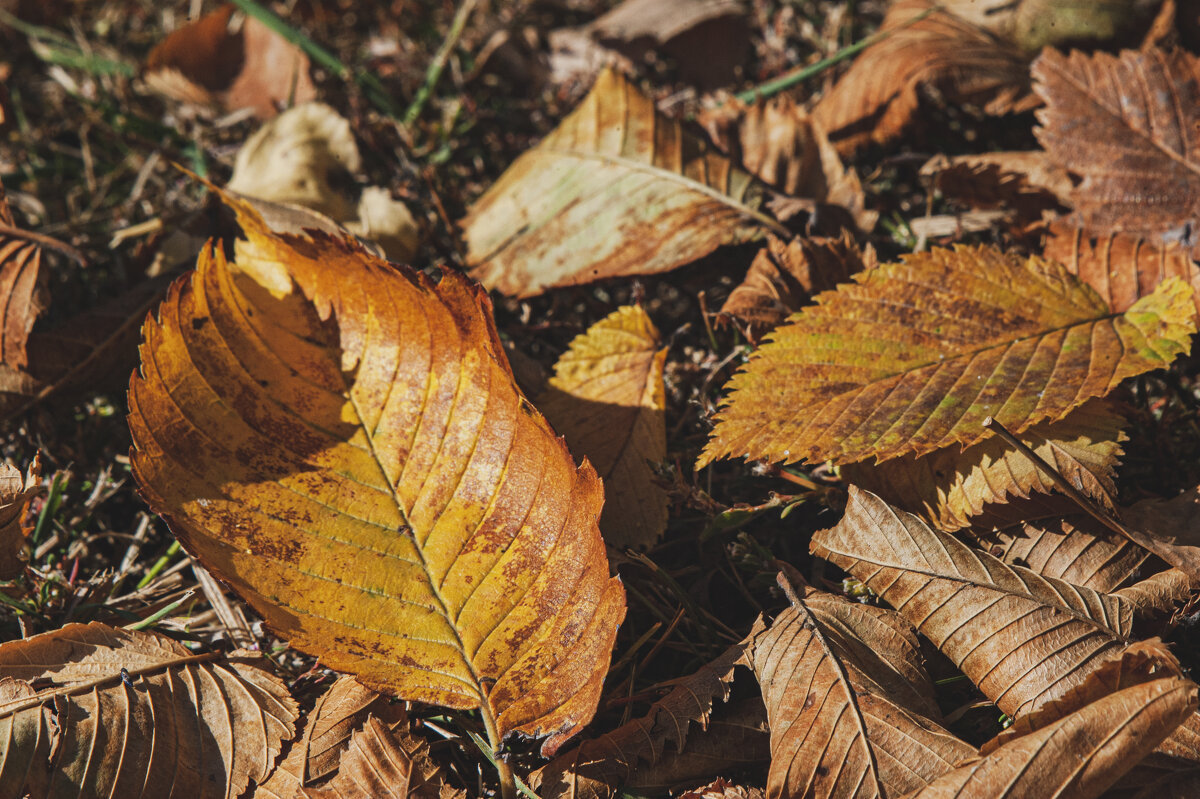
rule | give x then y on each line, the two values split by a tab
433	73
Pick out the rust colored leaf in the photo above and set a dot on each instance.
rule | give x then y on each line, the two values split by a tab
16	491
1080	756
22	295
878	97
682	721
234	62
325	735
383	763
607	399
1126	125
958	598
950	487
780	143
1076	549
784	276
1120	267
616	189
829	670
341	441
912	357
184	725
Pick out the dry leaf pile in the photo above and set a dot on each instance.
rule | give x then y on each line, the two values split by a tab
664	461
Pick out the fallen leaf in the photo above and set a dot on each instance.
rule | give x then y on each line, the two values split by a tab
1125	125
212	61
383	763
1076	549
1165	595
169	732
1023	182
616	189
950	487
958	597
880	94
781	144
913	356
16	492
1120	267
607	399
325	735
306	157
22	291
836	728
1168	529
721	789
784	276
1034	24
1079	756
602	766
351	446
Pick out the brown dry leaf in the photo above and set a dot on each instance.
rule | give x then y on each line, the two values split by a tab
877	98
351	446
607	399
721	789
780	143
16	491
325	734
958	598
912	357
1076	549
1126	125
22	300
950	487
383	763
673	727
1079	756
1168	529
616	189
828	667
1023	182
186	725
1120	267
306	157
1165	595
232	62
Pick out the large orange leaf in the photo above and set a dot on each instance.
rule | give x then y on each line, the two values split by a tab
341	441
913	356
617	189
958	598
607	399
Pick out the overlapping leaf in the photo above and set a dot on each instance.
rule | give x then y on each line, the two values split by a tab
950	487
16	491
341	441
958	597
185	725
913	356
617	189
845	701
383	763
607	399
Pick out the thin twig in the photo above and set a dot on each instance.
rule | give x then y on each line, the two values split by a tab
48	242
434	72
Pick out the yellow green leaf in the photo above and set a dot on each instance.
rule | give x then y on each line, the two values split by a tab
913	356
340	440
607	399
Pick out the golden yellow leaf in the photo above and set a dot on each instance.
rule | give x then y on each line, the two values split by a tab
607	399
912	357
341	441
616	189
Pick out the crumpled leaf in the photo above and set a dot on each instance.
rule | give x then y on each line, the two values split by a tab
306	156
1023	182
784	275
185	725
16	491
720	788
1076	549
324	736
674	725
912	357
1120	267
608	400
1167	594
950	487
1167	527
340	440
837	678
1079	756
235	62
879	96
781	144
1125	125
616	189
958	598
